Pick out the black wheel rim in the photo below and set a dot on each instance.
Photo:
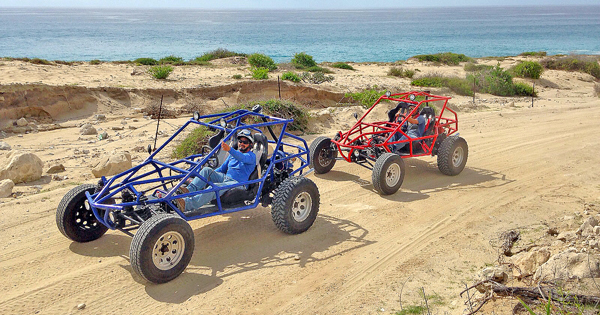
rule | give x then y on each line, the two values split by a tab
84	217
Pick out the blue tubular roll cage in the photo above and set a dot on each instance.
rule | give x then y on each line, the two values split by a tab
130	182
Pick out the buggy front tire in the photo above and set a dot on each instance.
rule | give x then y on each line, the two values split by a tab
74	216
295	205
388	173
322	157
162	248
452	156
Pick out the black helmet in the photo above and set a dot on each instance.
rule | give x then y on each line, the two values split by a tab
246	134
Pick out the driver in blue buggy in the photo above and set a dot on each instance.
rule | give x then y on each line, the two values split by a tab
237	168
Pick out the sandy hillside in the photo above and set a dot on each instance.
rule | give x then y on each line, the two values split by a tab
529	168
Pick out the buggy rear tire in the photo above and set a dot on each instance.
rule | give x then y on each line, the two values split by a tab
295	205
75	218
388	173
452	156
162	248
322	158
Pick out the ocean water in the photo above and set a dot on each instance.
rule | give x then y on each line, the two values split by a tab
355	35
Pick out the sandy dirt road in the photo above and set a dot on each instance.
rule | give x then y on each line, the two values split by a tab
527	166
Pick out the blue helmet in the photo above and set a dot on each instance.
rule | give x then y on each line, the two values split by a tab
246	134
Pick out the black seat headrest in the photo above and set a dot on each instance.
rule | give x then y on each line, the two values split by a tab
427	111
261	149
214	140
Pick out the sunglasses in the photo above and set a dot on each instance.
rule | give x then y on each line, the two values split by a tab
243	141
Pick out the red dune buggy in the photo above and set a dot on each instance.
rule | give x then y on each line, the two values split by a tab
381	146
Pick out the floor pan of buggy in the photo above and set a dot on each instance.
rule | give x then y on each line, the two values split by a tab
210	208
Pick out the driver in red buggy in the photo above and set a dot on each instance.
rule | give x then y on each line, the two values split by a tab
414	127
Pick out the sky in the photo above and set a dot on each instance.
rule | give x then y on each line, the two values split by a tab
279	4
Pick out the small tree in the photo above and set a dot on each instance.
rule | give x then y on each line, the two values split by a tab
303	60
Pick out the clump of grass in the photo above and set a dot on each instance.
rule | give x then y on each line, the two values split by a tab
286	109
446	58
412	309
260	73
95	62
39	61
303	61
579	63
290	76
160	72
218	54
498	81
172	60
146	61
261	61
342	65
528	69
400	72
318	69
533	53
457	85
237	76
192	144
472	67
367	97
62	62
316	77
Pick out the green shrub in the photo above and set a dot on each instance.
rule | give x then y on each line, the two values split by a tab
196	62
318	69
457	85
262	61
584	64
290	76
172	60
533	53
193	143
146	61
218	54
523	89
367	97
237	76
260	73
160	72
472	67
528	69
286	110
401	72
446	58
342	65
303	60
412	310
39	61
95	62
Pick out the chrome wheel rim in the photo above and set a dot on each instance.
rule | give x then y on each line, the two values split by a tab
168	250
392	175
301	207
457	156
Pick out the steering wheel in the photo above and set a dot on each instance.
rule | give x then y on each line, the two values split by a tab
212	161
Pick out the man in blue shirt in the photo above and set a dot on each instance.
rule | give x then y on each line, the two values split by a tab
415	129
237	168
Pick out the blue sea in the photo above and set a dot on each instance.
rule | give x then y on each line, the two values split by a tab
327	35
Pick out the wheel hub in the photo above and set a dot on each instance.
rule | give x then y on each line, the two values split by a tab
302	206
168	250
84	217
392	175
457	157
324	160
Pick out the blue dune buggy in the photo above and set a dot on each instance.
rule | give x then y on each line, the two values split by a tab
163	245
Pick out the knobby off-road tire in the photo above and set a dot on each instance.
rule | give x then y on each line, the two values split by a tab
295	205
162	248
322	158
388	173
74	216
452	156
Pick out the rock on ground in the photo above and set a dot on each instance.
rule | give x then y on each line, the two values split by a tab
6	186
21	167
569	265
112	165
56	168
88	129
4	146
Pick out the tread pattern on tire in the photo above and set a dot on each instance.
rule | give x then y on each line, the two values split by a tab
282	201
136	249
444	157
377	172
66	203
317	143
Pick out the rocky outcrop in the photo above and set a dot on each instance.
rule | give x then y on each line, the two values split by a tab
21	167
569	265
